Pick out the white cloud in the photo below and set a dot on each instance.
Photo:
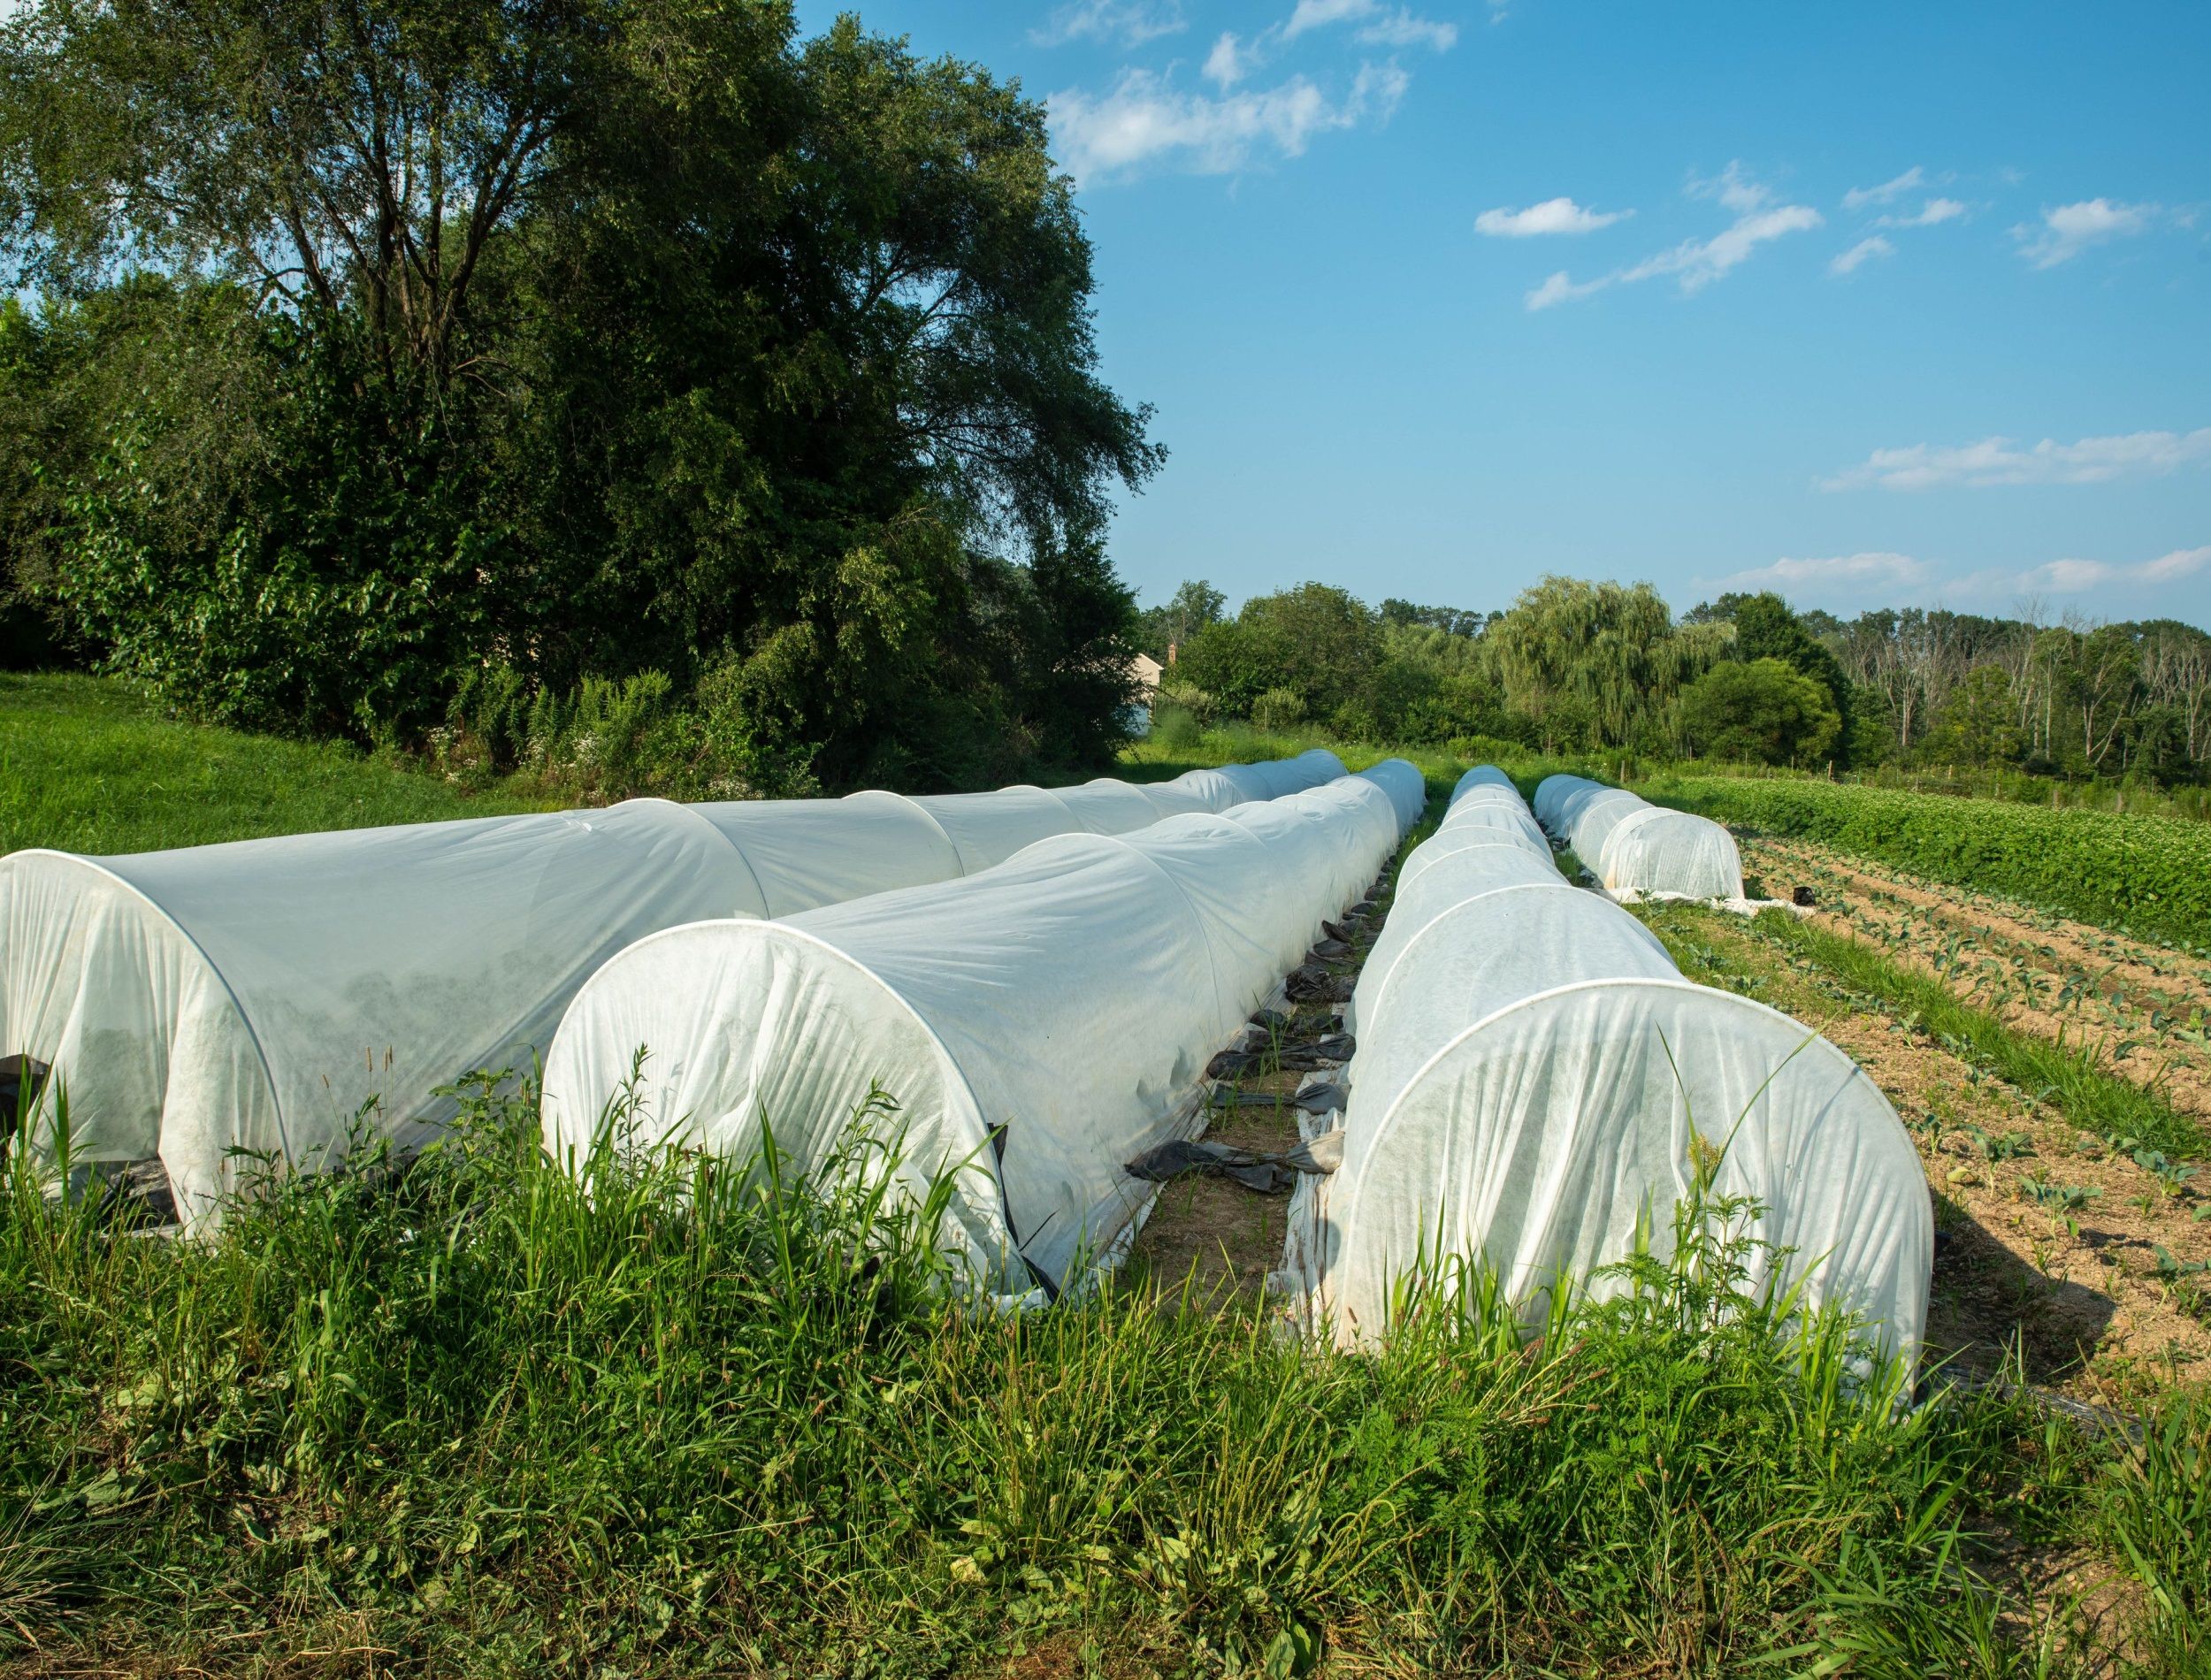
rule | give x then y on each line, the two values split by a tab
1377	27
1314	14
2079	577
1700	261
1561	288
1849	262
1859	197
1552	216
1933	213
1851	573
1734	188
1696	264
1229	62
1998	461
1144	121
1236	59
1401	29
2067	231
1130	22
1892	579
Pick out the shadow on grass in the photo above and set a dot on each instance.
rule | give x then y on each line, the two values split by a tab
1985	1299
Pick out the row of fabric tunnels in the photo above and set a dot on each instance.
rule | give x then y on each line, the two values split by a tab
1039	979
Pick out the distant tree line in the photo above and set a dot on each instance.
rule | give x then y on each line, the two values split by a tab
1574	667
406	366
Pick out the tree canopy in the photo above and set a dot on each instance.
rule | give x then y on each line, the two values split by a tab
573	338
1575	667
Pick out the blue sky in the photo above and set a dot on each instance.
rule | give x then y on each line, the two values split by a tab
1876	304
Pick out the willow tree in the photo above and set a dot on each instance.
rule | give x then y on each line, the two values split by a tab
1590	663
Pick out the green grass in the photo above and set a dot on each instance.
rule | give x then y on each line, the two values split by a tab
704	1419
87	764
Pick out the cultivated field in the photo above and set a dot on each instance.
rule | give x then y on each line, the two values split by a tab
468	1420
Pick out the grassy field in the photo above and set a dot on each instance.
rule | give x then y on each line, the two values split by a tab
87	764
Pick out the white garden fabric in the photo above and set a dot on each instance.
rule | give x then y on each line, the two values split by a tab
1271	778
1635	847
1407	788
1497	812
1485	776
1038	1025
260	996
1530	1069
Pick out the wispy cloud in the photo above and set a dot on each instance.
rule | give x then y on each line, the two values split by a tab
2081	576
1696	264
1857	575
1229	62
1857	581
1859	197
1378	25
1129	22
1562	288
1401	29
1864	249
1999	461
2064	232
1552	216
1315	14
1933	213
1145	122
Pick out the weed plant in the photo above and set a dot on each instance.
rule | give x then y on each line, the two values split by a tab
675	1416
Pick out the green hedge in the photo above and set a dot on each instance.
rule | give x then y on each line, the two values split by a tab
2144	875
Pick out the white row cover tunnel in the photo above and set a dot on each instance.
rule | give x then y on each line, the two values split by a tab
1038	1025
1531	1066
259	995
1634	846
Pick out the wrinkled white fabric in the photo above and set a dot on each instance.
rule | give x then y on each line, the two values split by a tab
1071	996
1656	849
1407	788
367	966
1530	1067
1485	776
1503	813
1423	900
1631	845
262	996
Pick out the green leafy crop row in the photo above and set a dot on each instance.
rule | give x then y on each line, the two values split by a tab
2144	875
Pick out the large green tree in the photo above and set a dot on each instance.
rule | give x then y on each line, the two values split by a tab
1594	664
1316	643
599	337
1760	711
